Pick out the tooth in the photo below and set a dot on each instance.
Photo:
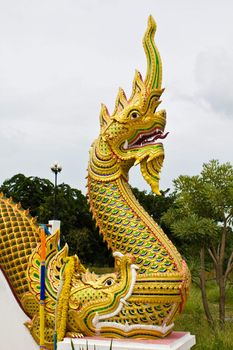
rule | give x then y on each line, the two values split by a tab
137	161
133	266
126	144
126	326
124	301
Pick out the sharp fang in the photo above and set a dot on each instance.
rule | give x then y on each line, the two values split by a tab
135	267
126	144
124	302
118	254
127	326
96	319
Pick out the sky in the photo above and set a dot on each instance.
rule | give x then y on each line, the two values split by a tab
59	60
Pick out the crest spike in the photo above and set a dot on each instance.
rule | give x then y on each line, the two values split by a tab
10	200
34	220
138	87
18	205
104	116
26	212
153	78
121	101
104	109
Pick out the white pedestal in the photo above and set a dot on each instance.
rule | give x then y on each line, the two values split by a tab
14	335
174	341
55	225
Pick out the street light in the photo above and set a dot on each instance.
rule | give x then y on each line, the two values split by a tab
56	168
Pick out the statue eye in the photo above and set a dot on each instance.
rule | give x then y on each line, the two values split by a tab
109	282
134	115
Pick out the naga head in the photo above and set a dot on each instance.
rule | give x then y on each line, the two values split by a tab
132	134
96	298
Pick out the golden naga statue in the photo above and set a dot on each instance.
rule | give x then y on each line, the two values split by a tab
151	281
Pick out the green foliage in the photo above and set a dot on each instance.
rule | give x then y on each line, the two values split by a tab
213	296
77	226
209	194
191	228
201	205
193	320
89	246
201	217
30	191
155	205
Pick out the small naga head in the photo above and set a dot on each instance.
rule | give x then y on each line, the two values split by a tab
132	134
96	298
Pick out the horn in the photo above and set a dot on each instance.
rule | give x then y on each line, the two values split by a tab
121	101
153	78
104	116
138	86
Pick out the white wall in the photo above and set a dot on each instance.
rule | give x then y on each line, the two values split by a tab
13	334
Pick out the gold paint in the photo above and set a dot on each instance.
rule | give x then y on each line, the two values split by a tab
110	304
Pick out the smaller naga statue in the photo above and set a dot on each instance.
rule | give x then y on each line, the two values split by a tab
151	281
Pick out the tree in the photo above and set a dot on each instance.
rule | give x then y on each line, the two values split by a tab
77	226
30	191
202	216
89	246
78	229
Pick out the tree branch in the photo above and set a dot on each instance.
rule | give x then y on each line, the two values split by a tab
214	250
229	267
214	258
203	288
223	244
218	250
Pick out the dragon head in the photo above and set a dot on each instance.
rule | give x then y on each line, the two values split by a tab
132	134
95	298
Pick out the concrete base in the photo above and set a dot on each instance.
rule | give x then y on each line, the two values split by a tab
174	341
54	225
14	335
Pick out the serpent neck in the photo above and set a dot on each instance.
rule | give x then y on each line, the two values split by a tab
126	227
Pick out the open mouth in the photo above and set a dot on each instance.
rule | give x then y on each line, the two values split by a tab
145	138
98	320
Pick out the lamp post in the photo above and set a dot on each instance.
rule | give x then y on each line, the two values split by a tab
56	168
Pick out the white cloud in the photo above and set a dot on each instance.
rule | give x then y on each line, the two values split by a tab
214	75
59	60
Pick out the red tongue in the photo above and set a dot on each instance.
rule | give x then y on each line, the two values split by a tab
145	139
160	136
156	137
